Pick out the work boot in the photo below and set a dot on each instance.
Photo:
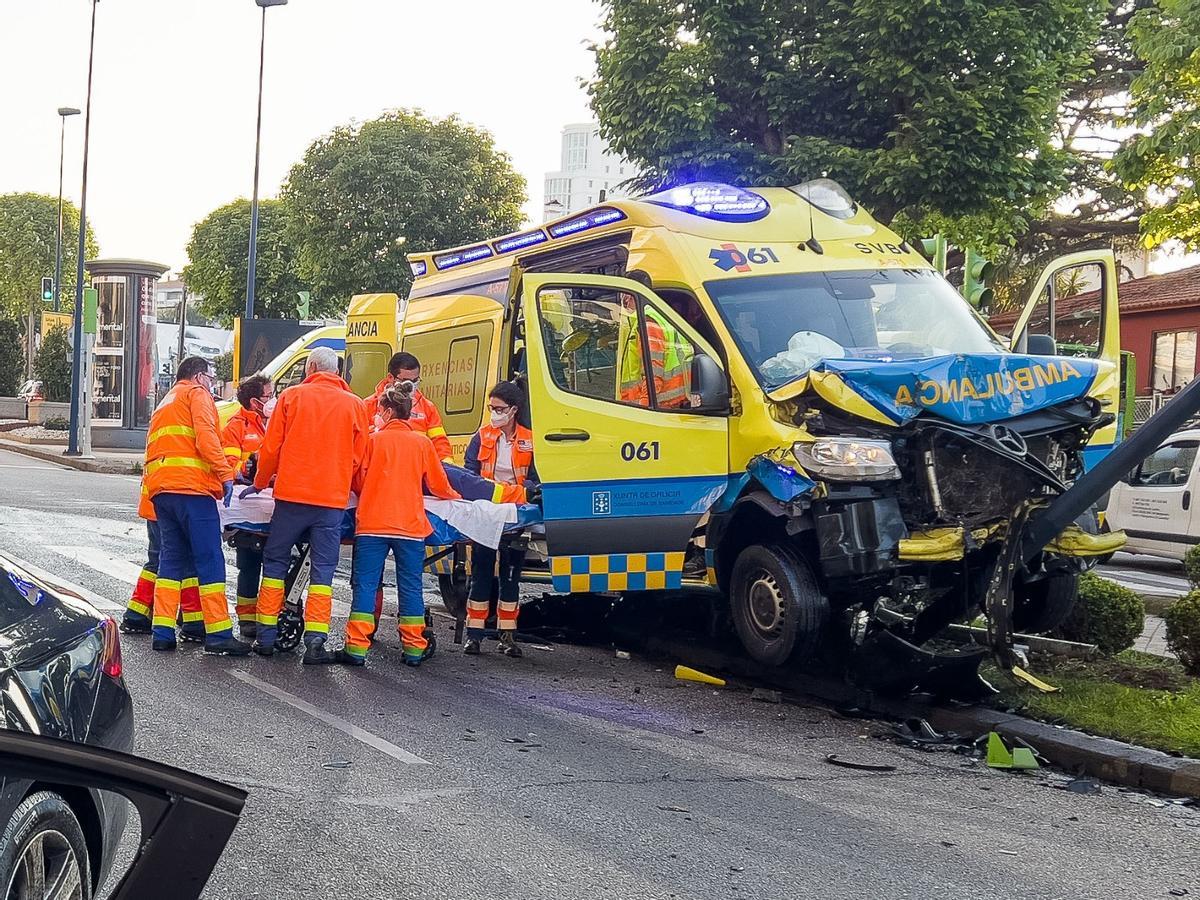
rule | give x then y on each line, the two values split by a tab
162	644
346	658
413	661
226	646
192	633
263	649
508	645
135	623
471	647
316	654
248	630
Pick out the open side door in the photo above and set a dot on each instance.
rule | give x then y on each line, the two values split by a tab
1074	303
629	408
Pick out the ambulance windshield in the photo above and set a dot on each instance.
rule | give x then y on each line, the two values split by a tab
786	324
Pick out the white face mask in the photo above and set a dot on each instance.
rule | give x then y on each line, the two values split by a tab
500	419
380	421
268	408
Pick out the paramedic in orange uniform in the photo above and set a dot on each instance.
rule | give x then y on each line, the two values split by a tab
242	437
186	473
400	465
502	450
425	418
316	440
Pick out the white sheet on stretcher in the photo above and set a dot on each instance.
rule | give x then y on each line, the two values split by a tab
254	510
480	520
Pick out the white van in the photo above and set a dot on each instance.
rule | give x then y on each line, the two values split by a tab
1158	503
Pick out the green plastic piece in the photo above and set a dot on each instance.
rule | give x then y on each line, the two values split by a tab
1000	757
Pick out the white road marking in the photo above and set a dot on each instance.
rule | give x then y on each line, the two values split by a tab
102	562
347	728
38	468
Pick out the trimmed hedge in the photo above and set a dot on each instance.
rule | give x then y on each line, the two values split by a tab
1183	631
1106	614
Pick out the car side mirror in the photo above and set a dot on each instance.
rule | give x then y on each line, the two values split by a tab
1041	345
710	387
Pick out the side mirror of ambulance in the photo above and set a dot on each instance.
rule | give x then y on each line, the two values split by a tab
710	387
1041	345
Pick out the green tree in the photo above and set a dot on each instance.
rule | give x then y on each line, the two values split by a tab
217	262
28	226
1166	105
366	195
12	357
52	365
917	108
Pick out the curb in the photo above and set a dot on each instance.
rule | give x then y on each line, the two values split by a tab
83	465
1074	751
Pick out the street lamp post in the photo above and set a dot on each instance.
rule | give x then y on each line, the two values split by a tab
78	385
64	112
262	59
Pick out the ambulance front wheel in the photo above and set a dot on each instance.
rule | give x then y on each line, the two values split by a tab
454	594
778	609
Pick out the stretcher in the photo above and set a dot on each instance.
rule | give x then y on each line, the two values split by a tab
246	525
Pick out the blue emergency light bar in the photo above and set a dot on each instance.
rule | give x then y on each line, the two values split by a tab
520	241
591	219
419	268
462	257
713	200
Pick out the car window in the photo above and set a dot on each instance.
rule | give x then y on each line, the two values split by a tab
1169	465
293	374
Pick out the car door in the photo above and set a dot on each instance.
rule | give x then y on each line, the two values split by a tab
1157	507
1074	302
627	461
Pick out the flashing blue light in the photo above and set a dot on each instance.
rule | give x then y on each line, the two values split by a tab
462	257
713	200
593	219
419	268
520	241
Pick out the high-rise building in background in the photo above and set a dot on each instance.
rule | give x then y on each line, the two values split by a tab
587	168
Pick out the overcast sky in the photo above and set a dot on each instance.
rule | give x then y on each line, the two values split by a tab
175	90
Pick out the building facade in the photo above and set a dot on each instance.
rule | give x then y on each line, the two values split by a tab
587	170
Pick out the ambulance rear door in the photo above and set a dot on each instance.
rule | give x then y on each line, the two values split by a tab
629	410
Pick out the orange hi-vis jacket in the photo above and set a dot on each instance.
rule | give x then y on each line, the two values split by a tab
522	452
316	440
400	461
145	507
424	419
242	437
183	448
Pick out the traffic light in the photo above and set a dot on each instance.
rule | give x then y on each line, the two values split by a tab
935	250
48	290
976	273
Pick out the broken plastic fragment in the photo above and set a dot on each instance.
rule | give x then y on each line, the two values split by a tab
684	673
783	482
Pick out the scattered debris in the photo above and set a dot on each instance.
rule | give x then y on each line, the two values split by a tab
949	844
697	731
684	673
624	654
1033	681
336	764
1178	892
1009	852
679	809
919	734
737	868
834	760
766	695
514	740
1000	757
545	647
1083	786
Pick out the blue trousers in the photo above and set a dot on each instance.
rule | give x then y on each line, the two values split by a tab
292	523
370	554
189	532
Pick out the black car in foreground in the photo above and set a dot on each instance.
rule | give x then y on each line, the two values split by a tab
60	678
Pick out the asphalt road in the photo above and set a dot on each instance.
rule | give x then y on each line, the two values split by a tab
571	773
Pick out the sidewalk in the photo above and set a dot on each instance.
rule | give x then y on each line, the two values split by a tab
109	462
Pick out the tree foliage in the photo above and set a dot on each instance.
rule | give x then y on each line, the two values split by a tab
1166	104
28	230
929	107
366	195
52	365
12	359
218	257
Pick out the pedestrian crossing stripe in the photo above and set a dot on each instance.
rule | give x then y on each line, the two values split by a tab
616	572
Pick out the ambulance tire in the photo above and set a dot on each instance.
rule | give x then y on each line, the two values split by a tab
1041	606
778	609
454	595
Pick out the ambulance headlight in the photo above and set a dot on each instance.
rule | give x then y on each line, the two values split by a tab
847	459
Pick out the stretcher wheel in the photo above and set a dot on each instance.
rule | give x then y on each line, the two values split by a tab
454	594
291	630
